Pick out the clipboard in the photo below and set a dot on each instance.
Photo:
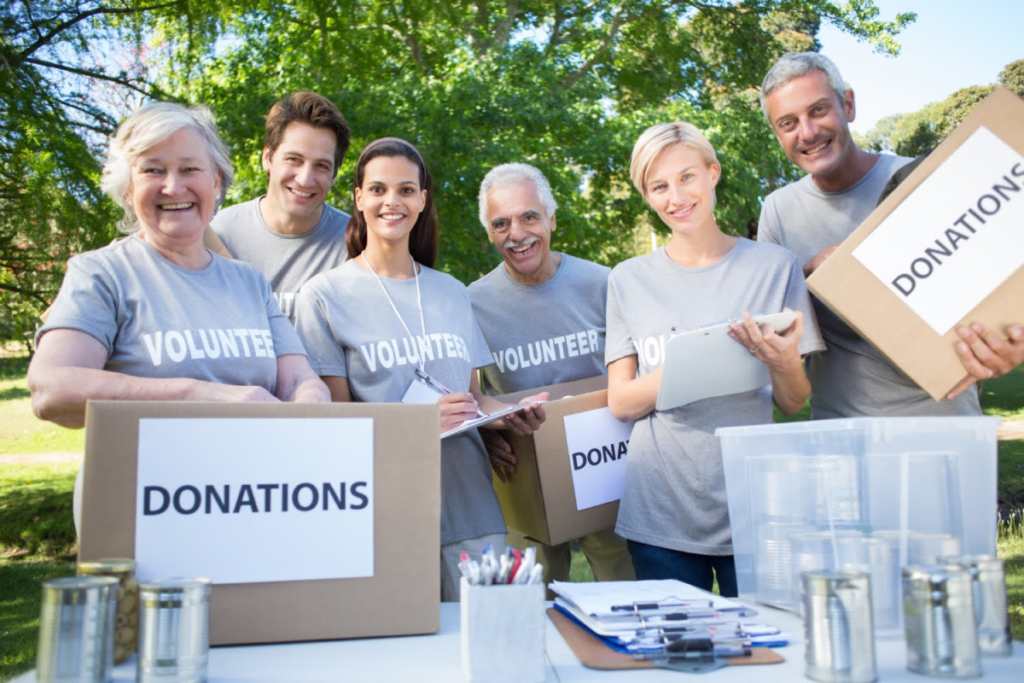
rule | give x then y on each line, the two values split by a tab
707	362
594	654
489	418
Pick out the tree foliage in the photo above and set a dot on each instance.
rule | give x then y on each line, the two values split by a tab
566	85
58	102
919	132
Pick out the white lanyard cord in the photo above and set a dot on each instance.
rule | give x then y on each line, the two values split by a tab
419	303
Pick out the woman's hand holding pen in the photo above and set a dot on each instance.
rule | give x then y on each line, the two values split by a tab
456	408
778	351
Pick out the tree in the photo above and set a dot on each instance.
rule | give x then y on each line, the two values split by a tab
58	104
564	84
919	132
1013	77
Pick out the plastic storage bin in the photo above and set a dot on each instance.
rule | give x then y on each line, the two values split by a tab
883	491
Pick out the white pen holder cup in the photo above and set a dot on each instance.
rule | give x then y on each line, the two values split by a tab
503	633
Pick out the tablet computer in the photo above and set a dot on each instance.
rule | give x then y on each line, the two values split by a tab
707	362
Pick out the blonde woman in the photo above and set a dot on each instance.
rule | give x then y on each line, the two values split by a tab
673	511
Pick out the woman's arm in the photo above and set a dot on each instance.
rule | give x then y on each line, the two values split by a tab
338	388
67	370
297	382
631	397
780	352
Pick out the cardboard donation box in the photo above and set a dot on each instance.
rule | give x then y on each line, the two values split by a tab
313	521
569	473
946	248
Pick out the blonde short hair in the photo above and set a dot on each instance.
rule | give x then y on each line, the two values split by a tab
656	139
147	127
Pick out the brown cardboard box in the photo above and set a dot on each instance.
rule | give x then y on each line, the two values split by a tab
401	598
539	499
883	316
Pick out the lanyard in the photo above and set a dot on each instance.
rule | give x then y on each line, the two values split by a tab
419	303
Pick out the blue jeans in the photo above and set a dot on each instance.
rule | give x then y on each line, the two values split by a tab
652	562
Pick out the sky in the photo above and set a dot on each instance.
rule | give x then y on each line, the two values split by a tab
952	45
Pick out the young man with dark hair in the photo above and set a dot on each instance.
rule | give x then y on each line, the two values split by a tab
290	234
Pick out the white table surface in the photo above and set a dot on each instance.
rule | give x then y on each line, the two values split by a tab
437	658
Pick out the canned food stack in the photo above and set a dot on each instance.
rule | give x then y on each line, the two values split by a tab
126	619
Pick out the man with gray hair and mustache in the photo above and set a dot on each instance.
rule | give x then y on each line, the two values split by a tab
538	295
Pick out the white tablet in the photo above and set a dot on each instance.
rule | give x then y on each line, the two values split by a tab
707	362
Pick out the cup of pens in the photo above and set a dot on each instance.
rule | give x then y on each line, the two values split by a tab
502	605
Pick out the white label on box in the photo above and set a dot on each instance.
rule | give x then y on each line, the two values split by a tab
957	237
251	501
597	454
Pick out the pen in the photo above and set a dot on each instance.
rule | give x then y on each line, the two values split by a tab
440	388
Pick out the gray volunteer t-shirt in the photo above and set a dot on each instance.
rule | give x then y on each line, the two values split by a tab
350	330
157	319
674	494
542	334
287	261
851	378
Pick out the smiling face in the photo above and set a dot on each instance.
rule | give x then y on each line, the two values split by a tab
681	188
520	229
811	122
390	199
300	174
174	189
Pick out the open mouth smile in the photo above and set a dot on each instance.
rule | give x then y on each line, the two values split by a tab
817	148
177	207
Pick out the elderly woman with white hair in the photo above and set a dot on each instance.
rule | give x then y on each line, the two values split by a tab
673	510
157	316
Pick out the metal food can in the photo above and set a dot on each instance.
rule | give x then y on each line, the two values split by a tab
126	616
990	603
76	630
938	615
840	638
174	636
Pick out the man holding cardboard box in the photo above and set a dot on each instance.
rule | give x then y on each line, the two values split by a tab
290	234
543	316
809	109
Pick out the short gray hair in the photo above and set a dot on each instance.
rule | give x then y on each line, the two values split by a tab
510	175
149	126
796	65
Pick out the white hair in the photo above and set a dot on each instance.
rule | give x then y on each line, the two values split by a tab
510	175
149	126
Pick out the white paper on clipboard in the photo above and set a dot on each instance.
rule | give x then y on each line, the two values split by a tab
487	419
707	362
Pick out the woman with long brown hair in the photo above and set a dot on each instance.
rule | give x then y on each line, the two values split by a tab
385	326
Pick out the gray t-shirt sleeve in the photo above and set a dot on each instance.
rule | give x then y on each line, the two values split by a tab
326	355
768	230
87	302
618	343
798	298
480	354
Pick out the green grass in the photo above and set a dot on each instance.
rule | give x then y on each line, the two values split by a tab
1010	547
1004	396
20	431
20	597
35	509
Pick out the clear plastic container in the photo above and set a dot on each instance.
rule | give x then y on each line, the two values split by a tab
888	478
